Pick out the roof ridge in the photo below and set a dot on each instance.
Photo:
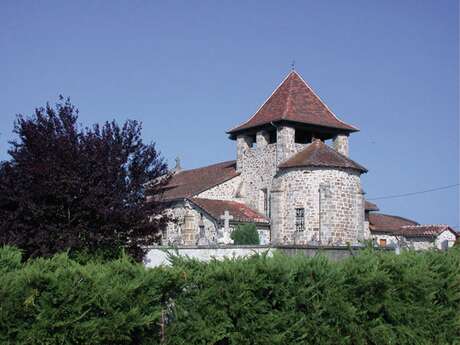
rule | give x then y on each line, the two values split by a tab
289	97
265	102
322	102
230	201
426	226
206	166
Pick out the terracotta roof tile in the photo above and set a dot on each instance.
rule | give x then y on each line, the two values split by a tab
318	154
188	183
380	222
424	230
369	206
239	211
294	101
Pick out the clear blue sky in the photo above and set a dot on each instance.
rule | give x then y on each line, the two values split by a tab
190	70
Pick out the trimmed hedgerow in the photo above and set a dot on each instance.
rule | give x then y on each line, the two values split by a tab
59	301
371	298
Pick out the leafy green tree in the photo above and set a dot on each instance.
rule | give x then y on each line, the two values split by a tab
79	189
245	234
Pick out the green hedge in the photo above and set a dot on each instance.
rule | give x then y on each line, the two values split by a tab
371	298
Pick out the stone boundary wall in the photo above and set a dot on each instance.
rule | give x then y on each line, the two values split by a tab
157	256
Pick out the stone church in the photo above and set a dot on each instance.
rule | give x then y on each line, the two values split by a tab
292	177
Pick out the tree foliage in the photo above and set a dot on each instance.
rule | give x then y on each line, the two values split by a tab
83	189
245	234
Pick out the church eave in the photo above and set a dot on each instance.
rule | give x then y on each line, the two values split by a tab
329	131
330	166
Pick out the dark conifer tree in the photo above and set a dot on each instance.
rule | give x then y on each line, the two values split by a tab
80	189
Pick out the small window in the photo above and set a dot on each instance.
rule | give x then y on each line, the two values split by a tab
272	138
299	219
382	242
201	231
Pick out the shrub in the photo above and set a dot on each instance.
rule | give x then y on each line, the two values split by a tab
59	301
245	234
10	259
373	298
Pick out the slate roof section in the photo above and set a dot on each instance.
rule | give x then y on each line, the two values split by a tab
294	100
188	183
380	222
318	154
239	211
424	230
369	206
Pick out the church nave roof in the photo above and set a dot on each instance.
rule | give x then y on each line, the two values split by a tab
187	183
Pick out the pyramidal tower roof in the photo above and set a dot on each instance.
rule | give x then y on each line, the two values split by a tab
294	101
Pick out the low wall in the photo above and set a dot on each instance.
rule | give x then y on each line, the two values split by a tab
157	256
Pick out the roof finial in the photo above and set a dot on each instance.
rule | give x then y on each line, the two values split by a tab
293	65
178	167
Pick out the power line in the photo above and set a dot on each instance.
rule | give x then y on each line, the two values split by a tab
414	193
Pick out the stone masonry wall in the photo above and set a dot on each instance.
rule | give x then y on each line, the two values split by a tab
259	163
259	168
442	241
340	144
286	145
174	230
392	241
445	240
214	232
243	143
342	211
229	190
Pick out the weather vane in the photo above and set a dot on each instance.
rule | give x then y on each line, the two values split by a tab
293	65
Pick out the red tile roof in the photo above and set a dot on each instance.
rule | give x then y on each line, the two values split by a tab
318	154
239	211
188	183
424	230
369	206
380	222
294	100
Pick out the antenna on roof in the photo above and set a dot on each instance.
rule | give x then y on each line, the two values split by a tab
293	65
